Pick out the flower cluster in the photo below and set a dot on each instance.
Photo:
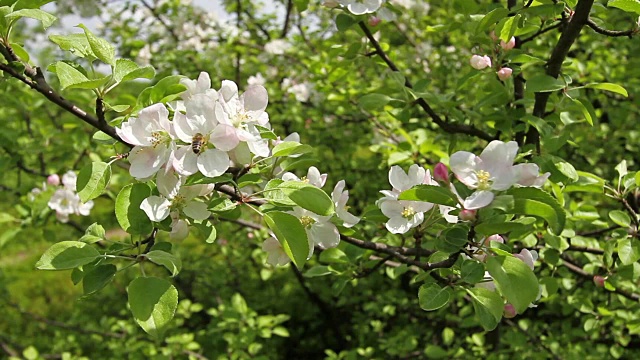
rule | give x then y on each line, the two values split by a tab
480	62
65	201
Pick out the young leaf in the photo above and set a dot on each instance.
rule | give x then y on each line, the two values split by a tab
100	47
207	231
153	302
430	193
40	15
544	83
130	217
126	69
77	44
628	251
488	306
514	279
291	234
67	255
92	180
432	297
373	101
620	218
168	260
631	6
309	197
96	278
95	232
287	148
535	202
609	86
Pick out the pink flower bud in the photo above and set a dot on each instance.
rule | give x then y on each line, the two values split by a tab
494	237
506	46
493	36
599	280
441	173
53	179
528	257
467	215
374	21
504	73
510	311
480	62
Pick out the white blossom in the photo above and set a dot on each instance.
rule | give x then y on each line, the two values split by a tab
340	198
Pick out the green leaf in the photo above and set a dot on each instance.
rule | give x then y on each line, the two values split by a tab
344	21
471	272
291	234
126	69
100	47
514	279
20	52
76	44
581	104
287	148
509	28
488	306
373	101
430	193
620	218
130	217
631	6
544	83
308	197
491	18
94	233
92	180
490	228
153	302
301	5
432	297
535	202
609	86
453	239
168	260
67	255
628	251
102	138
207	231
44	17
6	217
318	270
97	278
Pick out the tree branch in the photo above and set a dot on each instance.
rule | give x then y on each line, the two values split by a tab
446	126
579	271
612	33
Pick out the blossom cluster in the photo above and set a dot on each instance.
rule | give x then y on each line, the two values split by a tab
64	201
490	172
480	62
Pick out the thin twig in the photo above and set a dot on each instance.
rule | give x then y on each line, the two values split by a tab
612	33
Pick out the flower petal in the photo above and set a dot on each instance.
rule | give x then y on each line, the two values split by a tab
156	207
146	161
324	234
224	137
185	162
478	199
213	162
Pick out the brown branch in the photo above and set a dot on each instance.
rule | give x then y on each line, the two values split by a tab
554	64
580	271
446	126
612	33
540	32
287	19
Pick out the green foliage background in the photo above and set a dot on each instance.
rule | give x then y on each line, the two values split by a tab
234	306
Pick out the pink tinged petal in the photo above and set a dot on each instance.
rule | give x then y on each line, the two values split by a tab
478	199
315	178
416	175
336	194
324	234
255	99
179	230
463	165
196	210
528	175
228	90
212	162
182	127
126	133
202	107
186	162
221	115
527	257
146	161
398	178
156	113
156	207
224	137
259	147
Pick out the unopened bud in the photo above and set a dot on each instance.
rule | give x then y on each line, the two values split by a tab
506	46
599	280
441	173
494	237
504	73
467	215
53	179
510	311
480	62
493	36
374	21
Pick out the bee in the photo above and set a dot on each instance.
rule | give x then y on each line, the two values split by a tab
196	143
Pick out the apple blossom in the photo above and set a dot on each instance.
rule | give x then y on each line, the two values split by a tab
509	311
275	253
480	62
313	177
152	135
509	44
256	79
69	180
277	47
320	230
440	173
65	201
243	113
492	170
467	215
504	73
528	257
360	7
529	175
340	198
599	280
200	124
